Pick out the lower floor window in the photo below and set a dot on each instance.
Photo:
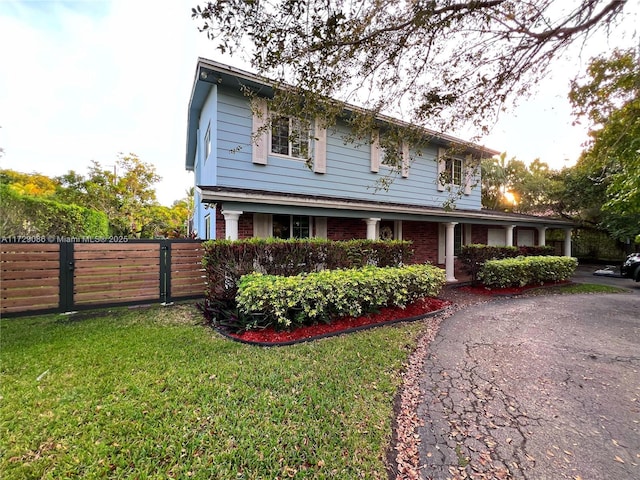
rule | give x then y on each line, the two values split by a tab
291	226
457	239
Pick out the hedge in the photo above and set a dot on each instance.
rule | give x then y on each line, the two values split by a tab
27	215
473	256
225	261
323	296
521	271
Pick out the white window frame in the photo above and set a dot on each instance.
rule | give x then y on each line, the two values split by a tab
207	226
450	164
207	142
297	125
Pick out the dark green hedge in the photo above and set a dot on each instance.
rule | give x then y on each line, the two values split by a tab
474	256
226	261
27	215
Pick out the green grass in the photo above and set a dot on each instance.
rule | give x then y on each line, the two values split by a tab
578	288
150	393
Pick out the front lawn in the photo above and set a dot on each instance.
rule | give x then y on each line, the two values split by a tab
150	393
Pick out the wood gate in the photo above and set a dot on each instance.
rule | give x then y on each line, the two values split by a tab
73	275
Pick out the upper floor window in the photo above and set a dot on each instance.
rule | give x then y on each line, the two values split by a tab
453	171
290	137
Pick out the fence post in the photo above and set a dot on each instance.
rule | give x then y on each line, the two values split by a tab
165	271
67	266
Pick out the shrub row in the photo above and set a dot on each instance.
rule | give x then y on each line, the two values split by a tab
521	271
473	256
27	215
226	261
322	296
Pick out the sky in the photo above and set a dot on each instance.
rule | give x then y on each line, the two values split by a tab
89	79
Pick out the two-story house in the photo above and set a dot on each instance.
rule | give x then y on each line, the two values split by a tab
253	178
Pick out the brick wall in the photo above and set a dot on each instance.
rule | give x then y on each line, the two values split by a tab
424	236
346	228
245	225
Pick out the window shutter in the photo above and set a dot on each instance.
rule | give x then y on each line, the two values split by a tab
441	168
467	234
262	225
375	151
321	227
405	160
397	229
468	178
260	132
320	150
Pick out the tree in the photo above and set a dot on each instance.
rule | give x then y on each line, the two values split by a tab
605	182
125	194
516	187
443	64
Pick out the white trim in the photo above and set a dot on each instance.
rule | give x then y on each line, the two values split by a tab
277	199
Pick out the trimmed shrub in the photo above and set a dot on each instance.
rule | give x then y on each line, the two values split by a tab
322	296
226	261
475	255
27	215
521	271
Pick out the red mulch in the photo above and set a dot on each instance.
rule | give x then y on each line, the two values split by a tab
482	290
385	315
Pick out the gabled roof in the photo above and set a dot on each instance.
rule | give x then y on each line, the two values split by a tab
209	73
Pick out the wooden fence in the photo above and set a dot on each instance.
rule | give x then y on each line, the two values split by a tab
67	276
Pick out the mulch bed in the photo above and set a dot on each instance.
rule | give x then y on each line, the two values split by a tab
386	316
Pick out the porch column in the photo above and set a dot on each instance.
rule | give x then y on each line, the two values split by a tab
508	235
542	236
449	252
231	218
372	224
567	242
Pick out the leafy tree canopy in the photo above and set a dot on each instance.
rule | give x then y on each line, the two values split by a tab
606	179
438	64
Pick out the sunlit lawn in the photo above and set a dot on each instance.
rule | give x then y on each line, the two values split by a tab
150	393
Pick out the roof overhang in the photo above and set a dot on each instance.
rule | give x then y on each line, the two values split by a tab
209	73
258	201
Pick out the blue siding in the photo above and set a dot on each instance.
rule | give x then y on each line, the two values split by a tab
348	172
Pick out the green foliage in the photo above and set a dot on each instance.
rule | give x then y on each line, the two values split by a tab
35	216
226	261
322	296
444	65
532	187
125	194
521	271
604	186
28	183
473	256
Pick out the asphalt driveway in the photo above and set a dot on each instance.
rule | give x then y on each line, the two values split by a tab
544	387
